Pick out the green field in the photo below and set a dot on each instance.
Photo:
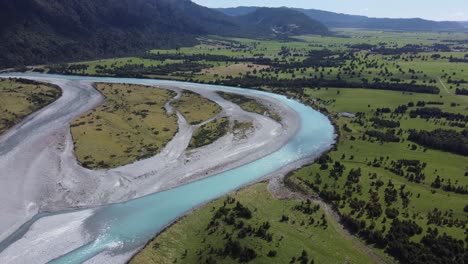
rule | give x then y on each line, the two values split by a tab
398	176
387	57
294	227
20	98
131	125
195	108
376	159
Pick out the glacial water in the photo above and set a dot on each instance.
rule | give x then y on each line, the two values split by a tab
123	227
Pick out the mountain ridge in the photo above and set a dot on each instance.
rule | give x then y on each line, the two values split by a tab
340	20
55	31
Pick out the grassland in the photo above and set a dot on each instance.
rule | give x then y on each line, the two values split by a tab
210	132
351	55
202	236
250	105
358	153
414	199
196	108
390	191
131	125
20	98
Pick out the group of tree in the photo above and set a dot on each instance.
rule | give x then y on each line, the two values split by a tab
461	91
437	113
251	81
387	136
432	248
442	139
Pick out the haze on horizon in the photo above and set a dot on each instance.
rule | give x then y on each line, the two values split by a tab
450	10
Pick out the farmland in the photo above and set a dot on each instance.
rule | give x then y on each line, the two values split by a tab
400	108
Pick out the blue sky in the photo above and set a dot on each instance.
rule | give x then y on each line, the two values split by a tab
428	9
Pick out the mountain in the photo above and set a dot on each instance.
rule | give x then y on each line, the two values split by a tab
238	11
53	31
464	23
283	21
337	20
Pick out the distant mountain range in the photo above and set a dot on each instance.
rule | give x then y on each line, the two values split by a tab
337	20
54	31
50	31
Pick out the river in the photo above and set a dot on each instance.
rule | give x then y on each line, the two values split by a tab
124	227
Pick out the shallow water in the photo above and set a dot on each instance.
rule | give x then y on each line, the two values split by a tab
123	227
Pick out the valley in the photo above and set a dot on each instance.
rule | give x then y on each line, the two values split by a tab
164	131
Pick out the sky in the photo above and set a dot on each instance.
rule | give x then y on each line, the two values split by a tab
456	10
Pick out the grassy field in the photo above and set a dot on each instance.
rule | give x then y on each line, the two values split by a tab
230	69
195	108
131	125
378	179
250	105
391	57
376	159
294	227
19	99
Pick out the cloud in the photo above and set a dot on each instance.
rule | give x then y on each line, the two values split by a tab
459	16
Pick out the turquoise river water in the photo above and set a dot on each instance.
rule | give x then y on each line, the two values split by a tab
123	227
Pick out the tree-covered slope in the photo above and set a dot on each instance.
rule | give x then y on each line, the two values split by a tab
332	19
40	31
283	21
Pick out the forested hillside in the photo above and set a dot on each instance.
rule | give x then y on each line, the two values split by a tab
337	20
38	31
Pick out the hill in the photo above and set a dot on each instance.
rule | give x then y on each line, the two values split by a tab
337	20
39	31
283	21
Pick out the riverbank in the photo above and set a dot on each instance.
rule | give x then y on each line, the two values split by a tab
268	136
289	231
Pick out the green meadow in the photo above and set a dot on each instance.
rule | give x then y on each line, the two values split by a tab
397	177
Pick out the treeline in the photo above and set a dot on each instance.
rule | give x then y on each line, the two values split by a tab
256	82
464	60
377	122
462	91
388	136
315	58
448	186
431	249
412	170
132	70
411	48
441	139
206	57
437	113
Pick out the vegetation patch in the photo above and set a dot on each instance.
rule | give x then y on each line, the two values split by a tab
209	133
242	129
233	69
447	140
131	125
253	226
250	105
401	154
19	98
196	108
429	63
385	181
